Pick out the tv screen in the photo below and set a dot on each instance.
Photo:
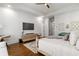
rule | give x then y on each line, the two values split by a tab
28	26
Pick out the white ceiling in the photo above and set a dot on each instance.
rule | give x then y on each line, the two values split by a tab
39	10
43	9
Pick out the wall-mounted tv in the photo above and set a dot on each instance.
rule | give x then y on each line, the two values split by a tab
28	26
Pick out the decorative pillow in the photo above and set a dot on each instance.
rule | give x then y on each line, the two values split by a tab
62	34
77	44
66	37
73	38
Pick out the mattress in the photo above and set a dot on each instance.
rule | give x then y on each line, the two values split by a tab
57	47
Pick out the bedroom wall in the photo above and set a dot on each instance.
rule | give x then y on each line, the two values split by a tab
64	19
1	23
11	21
42	25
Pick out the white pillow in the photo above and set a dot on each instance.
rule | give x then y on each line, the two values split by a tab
77	44
73	37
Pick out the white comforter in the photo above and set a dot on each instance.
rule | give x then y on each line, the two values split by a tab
57	47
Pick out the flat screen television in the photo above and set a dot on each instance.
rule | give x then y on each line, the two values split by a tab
28	26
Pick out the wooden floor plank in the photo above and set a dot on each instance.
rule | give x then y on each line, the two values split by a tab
19	49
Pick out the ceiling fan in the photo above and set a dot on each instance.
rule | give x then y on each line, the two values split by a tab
46	4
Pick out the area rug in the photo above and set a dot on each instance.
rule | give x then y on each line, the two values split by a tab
31	46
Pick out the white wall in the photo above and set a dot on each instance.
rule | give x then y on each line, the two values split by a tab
1	21
39	24
46	27
42	25
11	20
61	20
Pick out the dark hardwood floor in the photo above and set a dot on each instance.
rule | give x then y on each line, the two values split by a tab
19	49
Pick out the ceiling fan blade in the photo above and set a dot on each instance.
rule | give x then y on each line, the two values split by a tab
43	4
48	6
40	3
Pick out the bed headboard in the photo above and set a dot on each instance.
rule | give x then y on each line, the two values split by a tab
74	26
66	27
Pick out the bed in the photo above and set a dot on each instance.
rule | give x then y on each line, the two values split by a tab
56	47
60	47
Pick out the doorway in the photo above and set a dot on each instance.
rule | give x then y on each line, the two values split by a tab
51	26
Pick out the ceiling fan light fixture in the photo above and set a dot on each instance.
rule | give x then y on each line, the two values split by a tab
45	4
